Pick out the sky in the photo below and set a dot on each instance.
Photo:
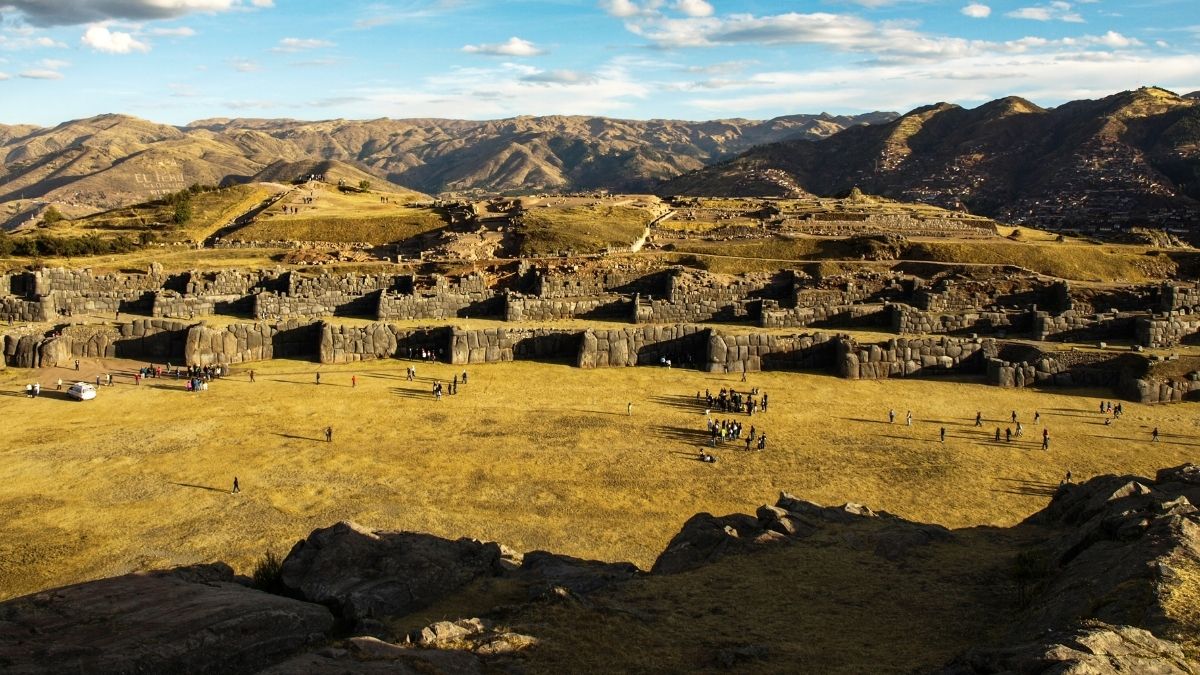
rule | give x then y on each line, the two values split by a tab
176	61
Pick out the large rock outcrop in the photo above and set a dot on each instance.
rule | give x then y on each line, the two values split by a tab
706	538
1094	650
364	574
189	620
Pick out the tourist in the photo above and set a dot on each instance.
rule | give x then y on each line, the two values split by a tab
943	434
997	434
979	418
1014	415
1037	417
236	488
762	441
707	458
58	386
1154	435
891	417
251	374
1020	430
629	409
76	364
329	434
1008	434
908	419
464	379
318	378
353	381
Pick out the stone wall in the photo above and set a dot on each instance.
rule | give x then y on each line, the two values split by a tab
172	304
523	308
1161	390
20	349
909	357
1168	331
760	351
241	343
144	339
825	316
643	345
492	345
690	309
346	344
439	305
236	282
1176	297
1073	326
269	305
15	309
904	319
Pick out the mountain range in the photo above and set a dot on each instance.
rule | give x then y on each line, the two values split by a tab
1132	158
113	160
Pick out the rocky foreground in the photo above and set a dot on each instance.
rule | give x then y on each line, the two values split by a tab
1109	585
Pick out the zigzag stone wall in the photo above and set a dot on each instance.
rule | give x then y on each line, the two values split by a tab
242	342
523	308
908	357
1167	331
346	344
911	321
492	345
642	345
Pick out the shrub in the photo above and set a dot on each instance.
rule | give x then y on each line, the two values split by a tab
268	574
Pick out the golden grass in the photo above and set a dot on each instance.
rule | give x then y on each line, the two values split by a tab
582	229
532	455
1182	603
210	211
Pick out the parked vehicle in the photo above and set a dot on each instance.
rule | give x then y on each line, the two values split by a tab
82	391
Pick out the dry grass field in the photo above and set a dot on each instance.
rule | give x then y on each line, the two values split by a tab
533	455
583	229
339	216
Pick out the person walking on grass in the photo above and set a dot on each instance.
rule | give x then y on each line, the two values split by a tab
318	378
236	488
251	374
329	434
978	418
353	381
891	417
1154	435
908	419
943	434
629	409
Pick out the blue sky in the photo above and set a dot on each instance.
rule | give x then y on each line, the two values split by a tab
176	61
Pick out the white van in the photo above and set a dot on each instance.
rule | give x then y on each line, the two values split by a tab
82	391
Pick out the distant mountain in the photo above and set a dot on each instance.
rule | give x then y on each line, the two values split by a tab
1128	159
112	160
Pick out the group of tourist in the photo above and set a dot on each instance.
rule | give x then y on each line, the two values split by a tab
421	353
733	401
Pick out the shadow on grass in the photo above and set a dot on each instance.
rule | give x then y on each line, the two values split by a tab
200	487
301	438
681	401
1017	486
1163	439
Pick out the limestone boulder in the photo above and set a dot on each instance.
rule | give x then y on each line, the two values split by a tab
188	620
362	574
1094	650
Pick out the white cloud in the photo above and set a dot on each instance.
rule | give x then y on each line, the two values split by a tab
101	39
292	44
505	90
42	74
23	42
182	31
1055	11
243	65
54	64
515	46
1049	77
694	7
4	76
559	77
625	9
977	11
75	12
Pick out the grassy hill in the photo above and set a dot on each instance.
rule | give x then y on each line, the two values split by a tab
343	215
584	227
